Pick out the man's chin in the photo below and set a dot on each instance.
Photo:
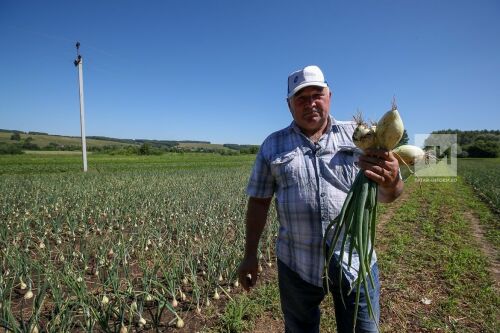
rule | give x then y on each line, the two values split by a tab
313	122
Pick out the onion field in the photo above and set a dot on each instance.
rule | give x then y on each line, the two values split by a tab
152	244
483	175
135	244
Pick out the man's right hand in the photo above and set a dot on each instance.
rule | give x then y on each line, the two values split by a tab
255	221
249	265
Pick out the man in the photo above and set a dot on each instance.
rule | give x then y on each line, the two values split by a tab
309	167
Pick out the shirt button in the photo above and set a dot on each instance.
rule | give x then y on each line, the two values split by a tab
323	194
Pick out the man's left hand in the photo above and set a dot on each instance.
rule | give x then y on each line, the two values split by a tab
380	166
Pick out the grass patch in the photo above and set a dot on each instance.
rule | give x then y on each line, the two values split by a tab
242	311
239	314
482	209
431	254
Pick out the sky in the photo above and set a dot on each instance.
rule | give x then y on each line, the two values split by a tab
217	70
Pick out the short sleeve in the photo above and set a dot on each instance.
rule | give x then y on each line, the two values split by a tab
261	183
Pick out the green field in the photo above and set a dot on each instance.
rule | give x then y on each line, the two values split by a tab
135	235
483	175
55	152
97	163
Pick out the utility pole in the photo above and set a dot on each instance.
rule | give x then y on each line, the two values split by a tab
79	63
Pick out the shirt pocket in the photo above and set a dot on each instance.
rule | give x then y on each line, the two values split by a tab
345	164
285	169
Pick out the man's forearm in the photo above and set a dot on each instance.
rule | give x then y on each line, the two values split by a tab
255	222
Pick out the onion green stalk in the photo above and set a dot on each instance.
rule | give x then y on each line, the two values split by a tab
356	221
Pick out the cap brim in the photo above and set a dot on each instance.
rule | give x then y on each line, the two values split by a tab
306	84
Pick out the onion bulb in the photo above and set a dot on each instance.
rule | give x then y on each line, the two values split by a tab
385	135
28	295
216	294
408	154
22	284
364	136
104	300
389	129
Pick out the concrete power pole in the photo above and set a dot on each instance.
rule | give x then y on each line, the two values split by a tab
79	63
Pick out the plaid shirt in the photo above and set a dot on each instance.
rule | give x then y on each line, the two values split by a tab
310	183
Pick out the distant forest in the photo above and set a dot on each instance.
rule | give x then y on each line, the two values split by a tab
484	143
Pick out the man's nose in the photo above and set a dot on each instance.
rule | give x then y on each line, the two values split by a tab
310	101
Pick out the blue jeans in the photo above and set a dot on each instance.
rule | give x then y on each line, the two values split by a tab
300	302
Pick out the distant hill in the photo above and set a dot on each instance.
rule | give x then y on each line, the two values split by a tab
45	141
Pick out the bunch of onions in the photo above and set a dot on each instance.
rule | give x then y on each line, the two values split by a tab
357	217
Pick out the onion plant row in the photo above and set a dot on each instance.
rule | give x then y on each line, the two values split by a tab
483	175
119	251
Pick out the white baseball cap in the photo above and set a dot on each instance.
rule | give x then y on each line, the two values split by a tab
308	76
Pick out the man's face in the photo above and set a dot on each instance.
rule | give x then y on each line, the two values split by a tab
310	108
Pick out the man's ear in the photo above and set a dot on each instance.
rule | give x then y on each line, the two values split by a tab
289	105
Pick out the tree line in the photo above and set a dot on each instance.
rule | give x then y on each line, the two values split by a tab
481	143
